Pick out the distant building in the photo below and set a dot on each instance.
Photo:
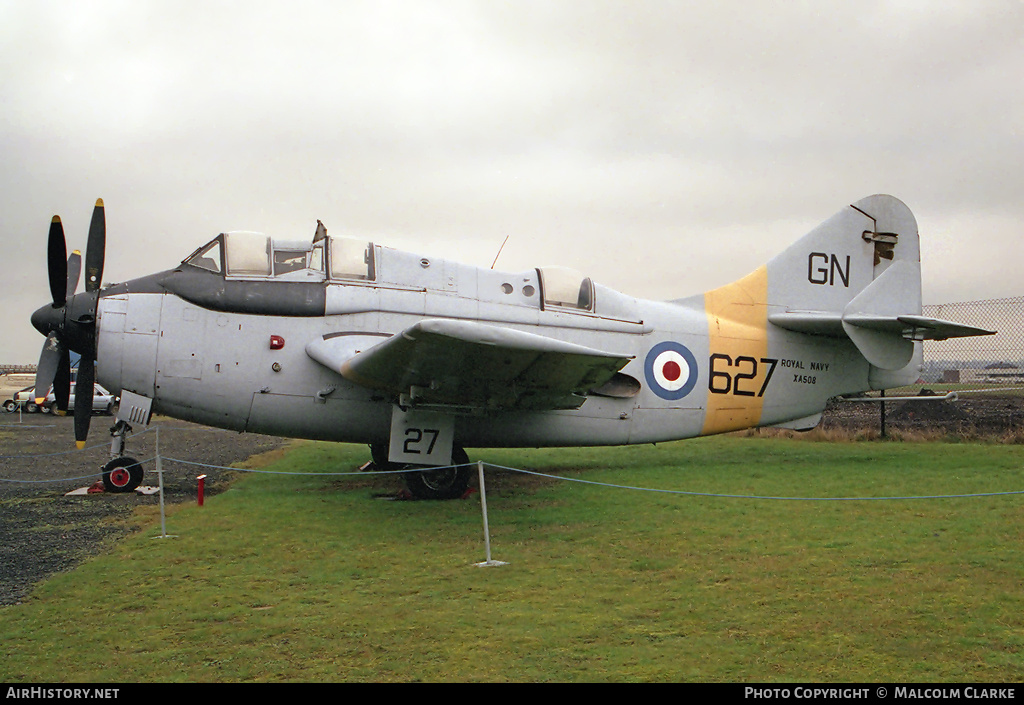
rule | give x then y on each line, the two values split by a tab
1002	373
17	369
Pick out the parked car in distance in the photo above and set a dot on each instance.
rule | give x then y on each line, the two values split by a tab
103	402
25	399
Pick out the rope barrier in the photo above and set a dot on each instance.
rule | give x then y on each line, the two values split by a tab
68	479
105	444
50	455
46	482
321	474
601	484
742	496
535	473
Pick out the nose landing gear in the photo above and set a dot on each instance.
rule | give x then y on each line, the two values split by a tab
121	473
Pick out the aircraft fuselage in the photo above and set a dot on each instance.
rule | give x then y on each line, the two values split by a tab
233	357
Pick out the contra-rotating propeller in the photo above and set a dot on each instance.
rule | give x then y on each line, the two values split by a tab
69	323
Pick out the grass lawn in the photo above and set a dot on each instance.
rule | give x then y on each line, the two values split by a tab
318	578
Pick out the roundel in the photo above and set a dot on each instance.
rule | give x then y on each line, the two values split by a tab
671	370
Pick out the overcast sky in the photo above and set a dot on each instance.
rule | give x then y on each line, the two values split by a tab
663	148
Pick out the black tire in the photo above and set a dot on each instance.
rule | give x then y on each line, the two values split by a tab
10	407
122	475
443	483
31	407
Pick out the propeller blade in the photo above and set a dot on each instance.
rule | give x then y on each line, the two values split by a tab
74	271
62	382
57	262
94	252
49	361
83	399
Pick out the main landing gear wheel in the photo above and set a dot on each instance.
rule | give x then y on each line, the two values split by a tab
122	475
443	483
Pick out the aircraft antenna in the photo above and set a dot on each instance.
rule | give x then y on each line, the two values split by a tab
499	252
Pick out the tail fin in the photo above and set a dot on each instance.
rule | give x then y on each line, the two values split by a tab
858	275
857	278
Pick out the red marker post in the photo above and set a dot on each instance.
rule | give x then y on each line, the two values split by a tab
202	486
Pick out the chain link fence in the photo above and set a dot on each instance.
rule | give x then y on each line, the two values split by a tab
994	363
986	372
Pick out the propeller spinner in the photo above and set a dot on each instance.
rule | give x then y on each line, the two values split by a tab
69	323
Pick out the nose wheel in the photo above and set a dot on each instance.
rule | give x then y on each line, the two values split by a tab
122	474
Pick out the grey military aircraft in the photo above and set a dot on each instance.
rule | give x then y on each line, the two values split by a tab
340	339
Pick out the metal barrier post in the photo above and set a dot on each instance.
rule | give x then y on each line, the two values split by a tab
883	412
483	507
160	475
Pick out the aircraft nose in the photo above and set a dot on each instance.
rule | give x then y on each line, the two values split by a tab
48	318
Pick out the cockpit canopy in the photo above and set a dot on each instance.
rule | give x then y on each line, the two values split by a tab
562	287
243	259
255	255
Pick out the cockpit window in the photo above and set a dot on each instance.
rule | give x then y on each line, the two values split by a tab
566	288
255	255
316	256
208	257
351	258
248	254
289	261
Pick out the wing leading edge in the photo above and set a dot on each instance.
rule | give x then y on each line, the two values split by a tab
471	365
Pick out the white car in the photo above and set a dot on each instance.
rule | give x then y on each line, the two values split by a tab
103	402
25	399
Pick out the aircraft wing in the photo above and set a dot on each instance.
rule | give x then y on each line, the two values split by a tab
473	365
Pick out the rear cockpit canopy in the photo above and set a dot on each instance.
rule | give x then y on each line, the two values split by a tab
248	255
562	287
